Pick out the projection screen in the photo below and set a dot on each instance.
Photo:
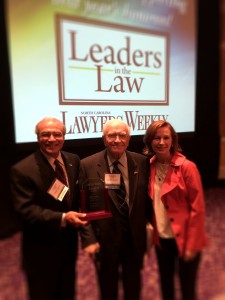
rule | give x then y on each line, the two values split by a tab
86	62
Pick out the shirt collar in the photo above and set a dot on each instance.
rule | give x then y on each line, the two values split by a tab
122	160
52	159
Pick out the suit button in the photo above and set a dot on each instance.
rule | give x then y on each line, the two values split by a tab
167	206
171	219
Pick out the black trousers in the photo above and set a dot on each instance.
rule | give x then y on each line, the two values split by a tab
50	270
119	263
170	265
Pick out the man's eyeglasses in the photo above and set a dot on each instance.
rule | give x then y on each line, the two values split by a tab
47	135
113	136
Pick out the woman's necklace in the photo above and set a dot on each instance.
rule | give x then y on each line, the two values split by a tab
161	170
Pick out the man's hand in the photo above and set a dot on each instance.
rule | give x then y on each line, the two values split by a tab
92	250
74	218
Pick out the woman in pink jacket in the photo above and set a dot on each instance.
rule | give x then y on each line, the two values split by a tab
179	210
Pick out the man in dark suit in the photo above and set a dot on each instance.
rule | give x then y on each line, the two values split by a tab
48	209
117	244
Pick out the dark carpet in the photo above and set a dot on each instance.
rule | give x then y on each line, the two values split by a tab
211	279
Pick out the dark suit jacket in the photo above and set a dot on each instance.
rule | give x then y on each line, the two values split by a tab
108	232
44	241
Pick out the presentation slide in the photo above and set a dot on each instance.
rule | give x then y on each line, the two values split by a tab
86	62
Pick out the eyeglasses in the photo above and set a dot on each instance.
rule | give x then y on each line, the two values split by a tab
113	136
47	135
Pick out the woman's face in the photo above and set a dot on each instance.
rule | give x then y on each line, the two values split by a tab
162	142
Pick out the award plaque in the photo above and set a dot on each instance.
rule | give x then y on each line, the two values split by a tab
94	200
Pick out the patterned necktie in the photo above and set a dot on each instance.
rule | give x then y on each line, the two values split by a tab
121	196
60	174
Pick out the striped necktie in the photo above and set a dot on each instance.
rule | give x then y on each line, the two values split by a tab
121	195
60	174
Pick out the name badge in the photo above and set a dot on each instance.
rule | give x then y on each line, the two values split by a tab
112	181
58	190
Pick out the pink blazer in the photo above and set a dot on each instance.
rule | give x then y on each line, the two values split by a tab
183	198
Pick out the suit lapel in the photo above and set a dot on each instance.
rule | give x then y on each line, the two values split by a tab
45	168
102	166
69	168
48	173
102	169
133	179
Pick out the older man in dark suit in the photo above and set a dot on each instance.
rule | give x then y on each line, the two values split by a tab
48	206
117	243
